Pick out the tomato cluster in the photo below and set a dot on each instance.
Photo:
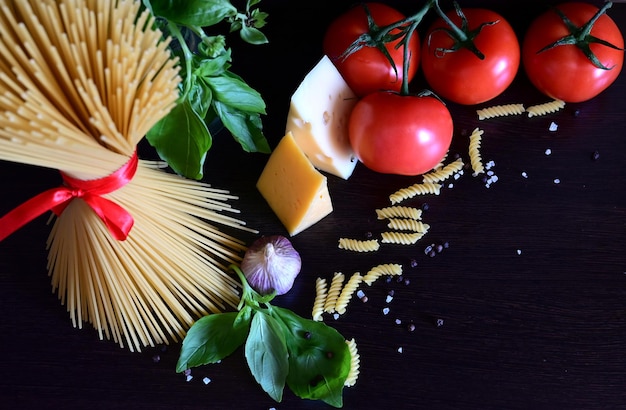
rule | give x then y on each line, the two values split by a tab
468	56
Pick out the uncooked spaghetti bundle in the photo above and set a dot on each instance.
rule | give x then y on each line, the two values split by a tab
138	252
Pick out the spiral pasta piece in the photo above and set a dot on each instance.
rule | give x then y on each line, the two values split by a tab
347	292
355	364
320	299
424	188
545	108
500	111
476	160
357	245
401	238
444	172
333	292
407	212
408	225
388	269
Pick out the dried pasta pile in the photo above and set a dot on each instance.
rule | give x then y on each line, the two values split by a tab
81	82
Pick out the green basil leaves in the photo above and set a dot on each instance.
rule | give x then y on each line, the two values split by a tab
281	348
209	92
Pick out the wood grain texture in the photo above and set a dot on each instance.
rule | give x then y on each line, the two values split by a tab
526	309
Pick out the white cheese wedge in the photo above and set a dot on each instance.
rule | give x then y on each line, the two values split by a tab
293	188
318	119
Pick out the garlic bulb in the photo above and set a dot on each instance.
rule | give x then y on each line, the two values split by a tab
271	264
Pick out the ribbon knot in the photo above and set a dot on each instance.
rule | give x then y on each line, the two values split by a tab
117	220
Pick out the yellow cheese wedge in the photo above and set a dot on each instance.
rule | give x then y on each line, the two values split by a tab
293	188
318	118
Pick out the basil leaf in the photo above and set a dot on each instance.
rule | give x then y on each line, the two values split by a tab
252	35
212	338
319	358
212	66
200	97
200	13
266	354
232	91
182	139
245	128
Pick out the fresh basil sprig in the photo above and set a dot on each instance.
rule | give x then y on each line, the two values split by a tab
281	348
209	92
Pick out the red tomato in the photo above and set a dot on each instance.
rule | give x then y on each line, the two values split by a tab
564	72
404	135
461	76
368	69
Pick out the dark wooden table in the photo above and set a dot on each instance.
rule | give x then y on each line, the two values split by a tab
525	309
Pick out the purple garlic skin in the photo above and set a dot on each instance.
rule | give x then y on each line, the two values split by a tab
271	264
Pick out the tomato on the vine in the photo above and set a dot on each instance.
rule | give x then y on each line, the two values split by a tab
564	71
368	69
396	134
456	72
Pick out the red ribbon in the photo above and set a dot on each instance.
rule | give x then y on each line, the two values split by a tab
118	221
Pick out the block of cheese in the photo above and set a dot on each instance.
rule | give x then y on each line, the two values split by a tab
318	119
293	188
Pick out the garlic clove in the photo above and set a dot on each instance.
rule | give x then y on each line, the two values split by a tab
271	264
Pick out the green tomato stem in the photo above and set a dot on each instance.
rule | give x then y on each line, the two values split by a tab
458	34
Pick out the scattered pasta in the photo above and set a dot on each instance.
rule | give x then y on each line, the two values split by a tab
355	364
445	172
401	238
347	292
388	269
500	111
425	188
320	299
545	108
357	245
408	225
407	212
333	292
474	151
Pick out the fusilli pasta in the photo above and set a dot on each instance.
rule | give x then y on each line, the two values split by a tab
401	238
357	245
402	224
545	108
476	160
445	172
413	190
347	292
355	364
333	292
399	212
390	269
500	111
320	299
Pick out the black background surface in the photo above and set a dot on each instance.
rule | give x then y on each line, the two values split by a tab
544	328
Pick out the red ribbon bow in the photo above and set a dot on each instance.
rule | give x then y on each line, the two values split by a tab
118	221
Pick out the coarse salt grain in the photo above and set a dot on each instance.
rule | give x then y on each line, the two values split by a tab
386	311
206	380
524	174
400	350
553	127
336	316
389	298
398	322
548	151
557	181
360	294
519	251
189	377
